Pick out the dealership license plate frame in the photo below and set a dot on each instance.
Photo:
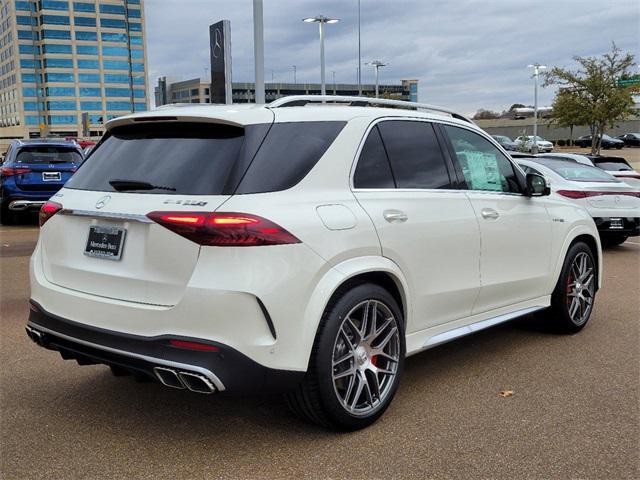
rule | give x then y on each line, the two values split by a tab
616	224
112	236
51	176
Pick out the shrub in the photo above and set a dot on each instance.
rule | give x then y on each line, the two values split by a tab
561	143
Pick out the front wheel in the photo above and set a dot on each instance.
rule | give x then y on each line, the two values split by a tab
356	362
574	295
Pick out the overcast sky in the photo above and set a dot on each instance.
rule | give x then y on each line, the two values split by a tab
467	54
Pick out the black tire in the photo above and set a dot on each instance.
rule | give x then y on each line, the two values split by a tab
559	314
317	398
613	240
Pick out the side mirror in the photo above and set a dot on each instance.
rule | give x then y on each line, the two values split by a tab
537	185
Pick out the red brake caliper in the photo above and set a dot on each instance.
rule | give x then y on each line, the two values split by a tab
374	360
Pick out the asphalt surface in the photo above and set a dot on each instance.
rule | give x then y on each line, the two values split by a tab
574	413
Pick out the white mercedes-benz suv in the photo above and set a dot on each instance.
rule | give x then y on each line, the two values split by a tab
300	247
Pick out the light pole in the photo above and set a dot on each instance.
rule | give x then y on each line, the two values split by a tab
377	64
321	20
333	72
258	50
536	72
294	74
359	55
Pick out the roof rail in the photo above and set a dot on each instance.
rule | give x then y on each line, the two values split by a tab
302	100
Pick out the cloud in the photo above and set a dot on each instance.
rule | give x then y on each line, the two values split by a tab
467	54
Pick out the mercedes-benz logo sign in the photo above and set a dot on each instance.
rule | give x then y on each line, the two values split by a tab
103	201
217	40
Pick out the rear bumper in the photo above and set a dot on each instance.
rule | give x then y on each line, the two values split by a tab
226	369
630	226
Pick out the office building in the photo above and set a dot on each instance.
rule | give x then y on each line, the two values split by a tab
62	58
197	90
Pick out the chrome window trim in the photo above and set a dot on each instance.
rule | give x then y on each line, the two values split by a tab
207	373
470	128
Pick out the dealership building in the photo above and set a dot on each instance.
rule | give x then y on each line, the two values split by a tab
196	90
63	60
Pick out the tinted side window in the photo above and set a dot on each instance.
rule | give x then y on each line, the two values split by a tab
287	154
484	167
415	155
373	170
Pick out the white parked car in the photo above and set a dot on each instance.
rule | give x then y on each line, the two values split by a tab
300	247
616	166
614	205
525	142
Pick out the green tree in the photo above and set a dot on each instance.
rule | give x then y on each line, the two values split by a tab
590	95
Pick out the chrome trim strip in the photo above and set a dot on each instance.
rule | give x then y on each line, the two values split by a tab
20	205
131	217
459	332
210	375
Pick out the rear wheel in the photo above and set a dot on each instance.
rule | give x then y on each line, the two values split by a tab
613	240
356	362
574	295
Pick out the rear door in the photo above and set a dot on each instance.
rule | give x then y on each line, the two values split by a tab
102	243
49	167
426	226
515	229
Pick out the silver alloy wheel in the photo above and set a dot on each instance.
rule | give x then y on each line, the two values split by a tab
366	354
580	288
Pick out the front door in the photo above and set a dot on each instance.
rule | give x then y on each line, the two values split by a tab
515	229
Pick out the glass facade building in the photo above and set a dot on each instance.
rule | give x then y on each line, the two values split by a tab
62	58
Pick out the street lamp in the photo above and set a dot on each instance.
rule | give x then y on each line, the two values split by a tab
377	64
321	20
359	55
536	73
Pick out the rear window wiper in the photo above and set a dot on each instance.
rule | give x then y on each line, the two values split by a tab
124	185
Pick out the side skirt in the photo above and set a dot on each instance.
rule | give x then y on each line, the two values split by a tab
432	337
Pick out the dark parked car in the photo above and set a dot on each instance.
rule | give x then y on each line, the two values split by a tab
630	139
607	142
506	142
32	171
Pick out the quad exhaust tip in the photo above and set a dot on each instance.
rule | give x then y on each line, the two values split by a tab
179	379
36	336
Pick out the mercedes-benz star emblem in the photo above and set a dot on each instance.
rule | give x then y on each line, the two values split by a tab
103	201
217	40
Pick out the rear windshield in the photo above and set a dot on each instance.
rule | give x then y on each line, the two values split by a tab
48	155
612	164
578	172
205	159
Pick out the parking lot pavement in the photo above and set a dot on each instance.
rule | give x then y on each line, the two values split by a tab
574	412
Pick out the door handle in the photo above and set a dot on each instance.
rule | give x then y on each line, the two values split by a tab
394	216
489	214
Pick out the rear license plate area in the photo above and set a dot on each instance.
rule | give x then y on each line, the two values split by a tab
51	176
616	223
105	242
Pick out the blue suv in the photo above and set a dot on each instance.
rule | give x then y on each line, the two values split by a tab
32	171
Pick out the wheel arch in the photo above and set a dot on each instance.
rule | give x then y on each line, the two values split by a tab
580	233
371	269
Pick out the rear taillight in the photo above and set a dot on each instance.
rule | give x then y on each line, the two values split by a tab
11	171
224	229
48	210
585	194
